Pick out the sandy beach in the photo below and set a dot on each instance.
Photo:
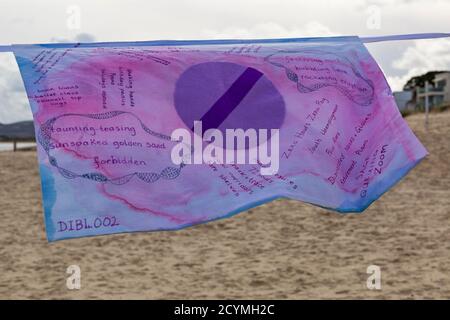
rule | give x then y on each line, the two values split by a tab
284	249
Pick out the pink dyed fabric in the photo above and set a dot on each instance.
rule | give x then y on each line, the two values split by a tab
104	114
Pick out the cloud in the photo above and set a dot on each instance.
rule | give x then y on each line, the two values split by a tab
80	37
270	30
84	37
423	56
13	99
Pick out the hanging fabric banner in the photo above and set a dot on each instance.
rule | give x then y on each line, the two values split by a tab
162	135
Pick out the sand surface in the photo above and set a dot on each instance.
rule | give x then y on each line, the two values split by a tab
284	249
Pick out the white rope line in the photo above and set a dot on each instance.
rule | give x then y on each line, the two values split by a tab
368	39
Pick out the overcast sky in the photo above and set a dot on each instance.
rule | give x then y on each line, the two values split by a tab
123	20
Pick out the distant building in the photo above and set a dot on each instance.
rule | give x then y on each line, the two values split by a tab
437	93
404	100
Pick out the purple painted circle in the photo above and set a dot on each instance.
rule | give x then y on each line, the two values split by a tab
226	95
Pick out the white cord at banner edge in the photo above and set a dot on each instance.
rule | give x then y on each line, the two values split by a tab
368	39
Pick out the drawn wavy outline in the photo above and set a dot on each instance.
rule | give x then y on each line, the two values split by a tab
45	135
291	75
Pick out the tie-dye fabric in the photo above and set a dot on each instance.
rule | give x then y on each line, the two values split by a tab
104	114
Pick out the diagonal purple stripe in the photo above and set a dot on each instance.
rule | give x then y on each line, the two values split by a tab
230	99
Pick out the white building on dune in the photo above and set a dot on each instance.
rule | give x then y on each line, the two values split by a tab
437	94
